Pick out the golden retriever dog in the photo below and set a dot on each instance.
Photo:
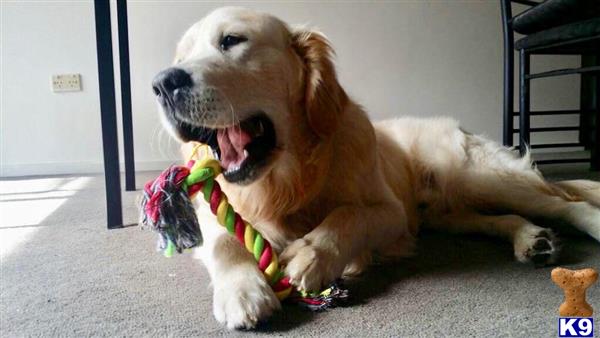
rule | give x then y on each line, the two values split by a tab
328	188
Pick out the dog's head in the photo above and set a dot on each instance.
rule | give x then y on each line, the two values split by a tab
252	89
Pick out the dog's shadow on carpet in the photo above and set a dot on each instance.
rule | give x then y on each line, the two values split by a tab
437	254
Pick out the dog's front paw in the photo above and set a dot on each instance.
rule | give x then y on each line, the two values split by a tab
242	299
310	267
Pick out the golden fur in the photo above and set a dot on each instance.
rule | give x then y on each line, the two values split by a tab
340	189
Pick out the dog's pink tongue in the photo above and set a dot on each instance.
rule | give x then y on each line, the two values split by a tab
232	141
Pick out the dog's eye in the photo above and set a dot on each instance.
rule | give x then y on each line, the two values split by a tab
229	41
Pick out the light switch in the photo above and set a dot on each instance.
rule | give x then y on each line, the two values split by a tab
66	83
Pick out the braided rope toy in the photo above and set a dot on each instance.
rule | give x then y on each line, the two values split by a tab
167	209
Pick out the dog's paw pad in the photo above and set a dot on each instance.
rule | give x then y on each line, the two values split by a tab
539	247
542	244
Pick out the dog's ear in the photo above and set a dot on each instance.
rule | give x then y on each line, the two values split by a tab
324	98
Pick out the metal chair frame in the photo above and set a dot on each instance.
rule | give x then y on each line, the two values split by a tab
590	92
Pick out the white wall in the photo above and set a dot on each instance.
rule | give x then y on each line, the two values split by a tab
42	131
421	58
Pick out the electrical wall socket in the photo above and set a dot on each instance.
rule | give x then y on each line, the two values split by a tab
66	83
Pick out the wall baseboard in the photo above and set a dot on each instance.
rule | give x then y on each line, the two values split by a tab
61	168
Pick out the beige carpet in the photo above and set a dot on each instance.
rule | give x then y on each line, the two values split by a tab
64	274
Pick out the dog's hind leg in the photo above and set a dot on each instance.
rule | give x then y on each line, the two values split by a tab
581	215
585	189
531	243
533	198
497	181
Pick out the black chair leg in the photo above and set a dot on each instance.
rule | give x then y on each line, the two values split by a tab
595	160
589	134
509	68
524	94
126	95
595	165
108	114
587	103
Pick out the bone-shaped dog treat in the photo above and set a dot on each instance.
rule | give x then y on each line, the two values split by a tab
574	283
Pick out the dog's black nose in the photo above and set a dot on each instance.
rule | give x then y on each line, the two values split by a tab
168	80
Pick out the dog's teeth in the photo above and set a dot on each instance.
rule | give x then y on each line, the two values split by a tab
232	168
245	153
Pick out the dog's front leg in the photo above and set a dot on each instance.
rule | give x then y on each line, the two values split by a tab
321	256
241	297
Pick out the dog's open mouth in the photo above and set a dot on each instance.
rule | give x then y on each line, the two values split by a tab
242	148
